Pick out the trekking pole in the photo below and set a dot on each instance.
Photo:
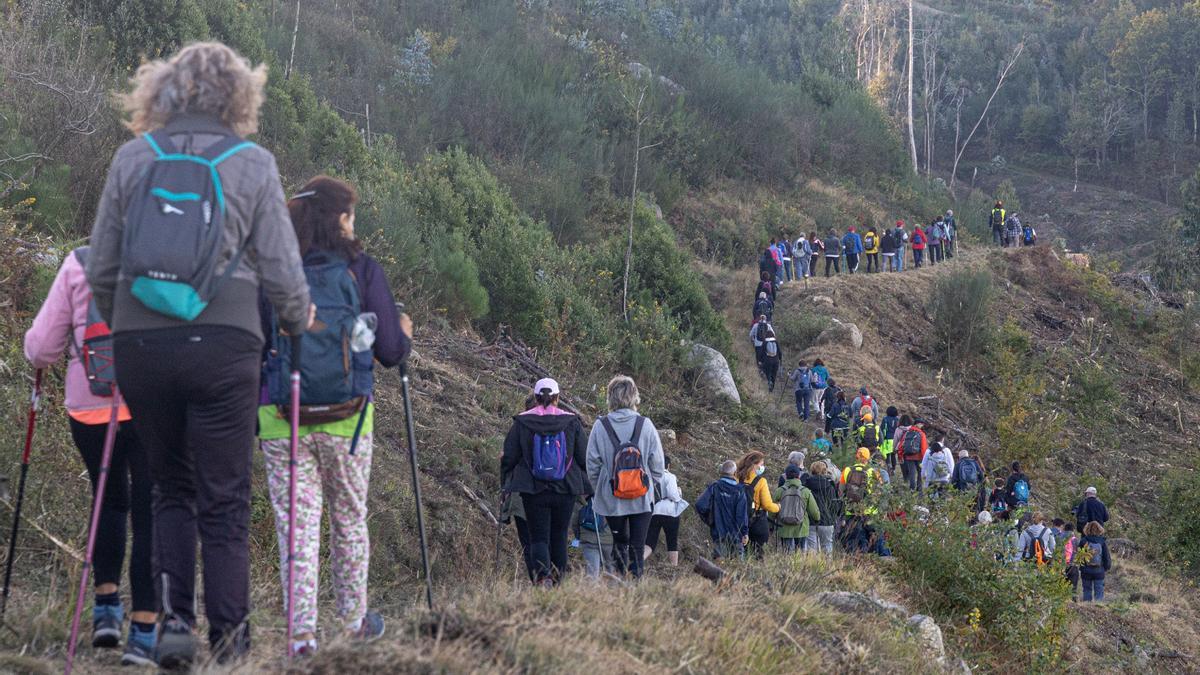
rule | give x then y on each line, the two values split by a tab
294	415
412	454
110	437
34	402
599	545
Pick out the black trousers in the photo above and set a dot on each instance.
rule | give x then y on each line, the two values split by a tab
523	537
548	517
851	262
127	496
193	393
629	536
667	525
835	262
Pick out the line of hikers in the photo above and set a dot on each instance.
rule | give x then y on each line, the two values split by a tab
179	322
883	249
1007	229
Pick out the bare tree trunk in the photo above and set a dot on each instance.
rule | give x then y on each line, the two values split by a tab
1076	188
637	155
912	138
958	151
287	73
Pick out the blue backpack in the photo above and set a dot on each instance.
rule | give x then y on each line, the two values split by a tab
335	380
589	521
175	228
1021	491
551	461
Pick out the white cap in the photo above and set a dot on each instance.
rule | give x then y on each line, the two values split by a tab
545	384
1091	492
984	518
962	453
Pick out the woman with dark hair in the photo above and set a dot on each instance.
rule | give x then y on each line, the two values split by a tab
818	250
333	460
765	285
545	455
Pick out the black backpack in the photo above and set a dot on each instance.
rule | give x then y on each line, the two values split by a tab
910	445
175	228
856	484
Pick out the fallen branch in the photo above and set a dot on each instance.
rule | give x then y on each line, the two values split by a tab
478	502
50	537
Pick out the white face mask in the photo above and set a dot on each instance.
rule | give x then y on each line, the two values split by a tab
760	471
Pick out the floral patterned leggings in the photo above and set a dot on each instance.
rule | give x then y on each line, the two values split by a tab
324	468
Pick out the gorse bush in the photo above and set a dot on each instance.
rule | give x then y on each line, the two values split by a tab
962	318
1028	429
966	575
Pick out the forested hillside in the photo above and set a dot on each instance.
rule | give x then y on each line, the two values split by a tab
579	188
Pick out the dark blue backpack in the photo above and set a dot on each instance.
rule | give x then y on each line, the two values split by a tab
551	461
969	472
175	228
589	521
335	380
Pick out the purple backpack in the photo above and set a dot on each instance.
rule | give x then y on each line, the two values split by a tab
550	458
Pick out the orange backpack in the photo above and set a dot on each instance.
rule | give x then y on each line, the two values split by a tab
629	479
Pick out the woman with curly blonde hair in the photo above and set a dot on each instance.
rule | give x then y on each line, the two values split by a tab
192	381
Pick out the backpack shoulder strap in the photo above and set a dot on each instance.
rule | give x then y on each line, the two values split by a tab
637	431
224	149
160	142
612	433
81	254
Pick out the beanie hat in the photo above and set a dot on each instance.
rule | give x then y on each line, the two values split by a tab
792	471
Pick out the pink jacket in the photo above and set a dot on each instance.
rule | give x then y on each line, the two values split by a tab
65	312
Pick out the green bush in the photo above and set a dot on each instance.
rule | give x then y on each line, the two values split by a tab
1178	534
962	317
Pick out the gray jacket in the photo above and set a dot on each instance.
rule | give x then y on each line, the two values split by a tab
256	217
600	452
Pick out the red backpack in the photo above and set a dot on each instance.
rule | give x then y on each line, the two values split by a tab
96	351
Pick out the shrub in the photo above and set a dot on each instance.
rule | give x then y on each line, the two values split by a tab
962	318
1028	431
1179	536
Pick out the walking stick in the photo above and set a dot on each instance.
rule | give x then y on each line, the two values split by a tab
294	415
110	437
499	533
412	453
34	403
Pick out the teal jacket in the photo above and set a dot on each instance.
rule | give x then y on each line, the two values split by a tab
810	507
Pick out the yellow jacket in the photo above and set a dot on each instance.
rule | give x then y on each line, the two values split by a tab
873	480
871	250
762	496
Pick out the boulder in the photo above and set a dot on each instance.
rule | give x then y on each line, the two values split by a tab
859	603
841	333
1122	547
929	636
667	435
638	70
713	375
822	299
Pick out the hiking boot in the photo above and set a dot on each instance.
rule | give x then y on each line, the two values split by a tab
372	628
176	644
230	646
137	654
106	626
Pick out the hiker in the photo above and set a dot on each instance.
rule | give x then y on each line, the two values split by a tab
833	253
1028	235
197	346
937	241
1094	561
867	434
901	245
858	484
937	468
802	386
750	469
912	445
919	241
769	262
853	245
776	261
763	307
996	221
797	508
968	472
839	420
1070	546
545	452
1090	509
771	358
758	337
998	500
1013	230
341	275
785	256
624	458
820	444
870	244
864	399
824	490
62	325
820	382
795	458
801	257
887	430
887	247
669	505
765	286
1036	544
951	233
593	537
725	508
818	250
1017	489
828	399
